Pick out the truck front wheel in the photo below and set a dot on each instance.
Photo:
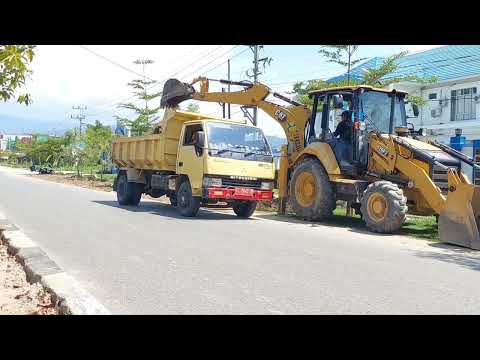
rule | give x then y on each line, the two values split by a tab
128	193
244	209
187	204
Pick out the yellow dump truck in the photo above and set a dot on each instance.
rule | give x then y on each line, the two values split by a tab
196	160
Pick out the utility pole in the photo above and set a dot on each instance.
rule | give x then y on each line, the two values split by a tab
144	62
80	116
255	49
228	87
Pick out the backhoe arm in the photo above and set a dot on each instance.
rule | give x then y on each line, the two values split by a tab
292	119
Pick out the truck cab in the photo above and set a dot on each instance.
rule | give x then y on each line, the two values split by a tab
215	160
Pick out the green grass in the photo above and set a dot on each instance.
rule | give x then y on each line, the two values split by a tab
422	227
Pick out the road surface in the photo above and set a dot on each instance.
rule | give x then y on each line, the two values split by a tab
149	260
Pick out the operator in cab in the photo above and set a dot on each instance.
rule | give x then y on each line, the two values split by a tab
343	145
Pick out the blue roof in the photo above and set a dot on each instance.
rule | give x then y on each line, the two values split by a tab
445	63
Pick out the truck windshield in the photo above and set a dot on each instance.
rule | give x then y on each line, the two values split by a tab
376	107
237	142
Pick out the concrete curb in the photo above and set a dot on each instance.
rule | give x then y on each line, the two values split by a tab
70	297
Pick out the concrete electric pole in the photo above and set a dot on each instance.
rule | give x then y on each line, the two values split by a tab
80	116
266	60
144	62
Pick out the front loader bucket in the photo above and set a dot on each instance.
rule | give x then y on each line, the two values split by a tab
174	92
459	222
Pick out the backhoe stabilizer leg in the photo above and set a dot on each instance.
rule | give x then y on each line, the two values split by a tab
282	181
459	221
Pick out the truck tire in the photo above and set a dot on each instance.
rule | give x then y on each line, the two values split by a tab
187	204
173	199
244	209
128	193
384	207
311	193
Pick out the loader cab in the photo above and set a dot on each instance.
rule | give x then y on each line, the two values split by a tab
372	109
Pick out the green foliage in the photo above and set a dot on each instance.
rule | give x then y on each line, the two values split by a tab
14	61
194	108
372	77
98	141
50	151
341	55
145	116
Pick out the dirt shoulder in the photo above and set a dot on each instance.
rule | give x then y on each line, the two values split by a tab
87	182
17	296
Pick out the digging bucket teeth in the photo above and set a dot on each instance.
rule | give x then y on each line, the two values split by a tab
174	92
459	222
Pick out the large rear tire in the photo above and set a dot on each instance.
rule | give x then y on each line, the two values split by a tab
311	193
384	207
128	193
187	204
244	209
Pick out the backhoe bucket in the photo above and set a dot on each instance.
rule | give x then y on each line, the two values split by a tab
174	92
459	222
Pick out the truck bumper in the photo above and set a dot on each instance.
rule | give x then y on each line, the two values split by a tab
239	194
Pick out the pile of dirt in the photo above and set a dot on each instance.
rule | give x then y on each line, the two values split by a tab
17	296
89	182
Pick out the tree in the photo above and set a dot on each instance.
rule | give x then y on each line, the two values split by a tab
145	116
192	107
377	77
342	55
14	61
98	142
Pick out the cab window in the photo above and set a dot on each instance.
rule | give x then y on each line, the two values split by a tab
190	134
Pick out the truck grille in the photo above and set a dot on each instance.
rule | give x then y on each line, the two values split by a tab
229	182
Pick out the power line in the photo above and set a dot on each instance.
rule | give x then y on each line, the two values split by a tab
163	82
113	62
115	102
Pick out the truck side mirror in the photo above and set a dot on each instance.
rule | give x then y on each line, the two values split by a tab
199	141
415	110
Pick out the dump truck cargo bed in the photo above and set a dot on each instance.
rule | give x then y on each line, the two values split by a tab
157	151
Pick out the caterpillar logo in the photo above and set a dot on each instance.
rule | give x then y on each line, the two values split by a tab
280	115
382	150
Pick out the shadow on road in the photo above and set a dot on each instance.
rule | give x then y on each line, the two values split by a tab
157	208
464	257
353	224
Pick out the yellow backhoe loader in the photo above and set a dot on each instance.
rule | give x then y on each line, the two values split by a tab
387	169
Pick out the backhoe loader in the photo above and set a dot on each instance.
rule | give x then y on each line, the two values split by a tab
390	169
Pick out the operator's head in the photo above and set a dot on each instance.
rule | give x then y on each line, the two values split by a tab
346	115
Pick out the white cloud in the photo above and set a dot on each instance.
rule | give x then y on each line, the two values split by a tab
69	75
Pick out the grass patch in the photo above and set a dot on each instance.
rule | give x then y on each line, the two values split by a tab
422	227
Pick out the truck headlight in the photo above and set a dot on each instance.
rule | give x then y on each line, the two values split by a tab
212	182
267	185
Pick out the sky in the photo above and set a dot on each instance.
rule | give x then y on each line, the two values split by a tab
96	76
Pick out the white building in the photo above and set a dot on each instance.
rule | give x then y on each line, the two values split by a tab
452	102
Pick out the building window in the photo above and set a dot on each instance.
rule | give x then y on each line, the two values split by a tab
463	104
432	96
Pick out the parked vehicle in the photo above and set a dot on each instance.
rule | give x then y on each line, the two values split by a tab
196	160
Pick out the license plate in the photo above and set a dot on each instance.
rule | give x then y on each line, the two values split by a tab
244	192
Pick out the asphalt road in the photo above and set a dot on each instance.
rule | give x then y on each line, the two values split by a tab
149	260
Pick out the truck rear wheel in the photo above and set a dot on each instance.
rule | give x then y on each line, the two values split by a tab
186	202
384	207
244	209
128	193
311	193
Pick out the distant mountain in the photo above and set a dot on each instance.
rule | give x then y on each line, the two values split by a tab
17	125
